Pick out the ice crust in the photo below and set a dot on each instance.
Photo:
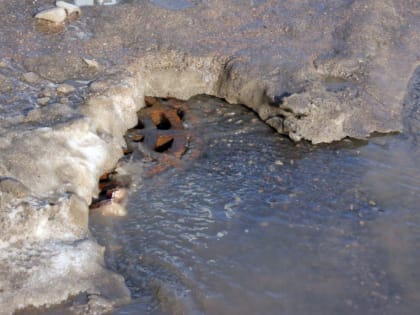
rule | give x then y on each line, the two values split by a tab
50	175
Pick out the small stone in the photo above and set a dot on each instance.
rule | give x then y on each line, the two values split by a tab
372	203
47	92
6	85
13	187
91	63
65	88
55	15
30	77
42	101
278	162
117	194
110	208
70	8
98	86
64	100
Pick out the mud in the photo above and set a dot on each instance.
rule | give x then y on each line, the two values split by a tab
316	71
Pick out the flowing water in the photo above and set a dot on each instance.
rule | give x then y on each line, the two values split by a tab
258	225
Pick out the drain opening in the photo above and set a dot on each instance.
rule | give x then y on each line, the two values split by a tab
164	143
160	127
162	122
140	125
159	139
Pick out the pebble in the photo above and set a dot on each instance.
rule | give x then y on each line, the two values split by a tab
278	162
30	77
65	88
42	101
98	86
91	63
64	100
6	85
109	208
47	92
55	15
69	7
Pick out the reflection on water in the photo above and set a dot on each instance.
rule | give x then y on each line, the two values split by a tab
259	225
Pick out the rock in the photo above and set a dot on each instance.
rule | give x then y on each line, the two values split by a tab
70	8
65	88
6	85
55	15
98	86
47	92
30	77
42	101
13	187
117	194
64	100
110	208
91	63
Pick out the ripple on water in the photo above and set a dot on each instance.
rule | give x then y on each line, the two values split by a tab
330	229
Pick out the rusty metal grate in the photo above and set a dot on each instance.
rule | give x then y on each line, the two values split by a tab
160	128
161	136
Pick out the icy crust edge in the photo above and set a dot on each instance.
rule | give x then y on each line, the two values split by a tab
50	175
309	112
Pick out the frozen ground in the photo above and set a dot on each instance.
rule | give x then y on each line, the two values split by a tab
317	71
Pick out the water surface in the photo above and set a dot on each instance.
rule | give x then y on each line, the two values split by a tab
259	225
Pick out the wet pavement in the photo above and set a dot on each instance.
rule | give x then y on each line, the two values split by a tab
255	224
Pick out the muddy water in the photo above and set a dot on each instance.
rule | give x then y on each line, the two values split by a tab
258	225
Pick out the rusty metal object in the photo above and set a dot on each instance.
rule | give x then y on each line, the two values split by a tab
161	135
161	129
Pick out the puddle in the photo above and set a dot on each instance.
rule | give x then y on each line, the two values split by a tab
255	224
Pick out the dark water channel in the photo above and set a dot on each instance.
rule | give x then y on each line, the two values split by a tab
259	225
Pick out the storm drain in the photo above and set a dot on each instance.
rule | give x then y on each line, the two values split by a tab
160	138
160	128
